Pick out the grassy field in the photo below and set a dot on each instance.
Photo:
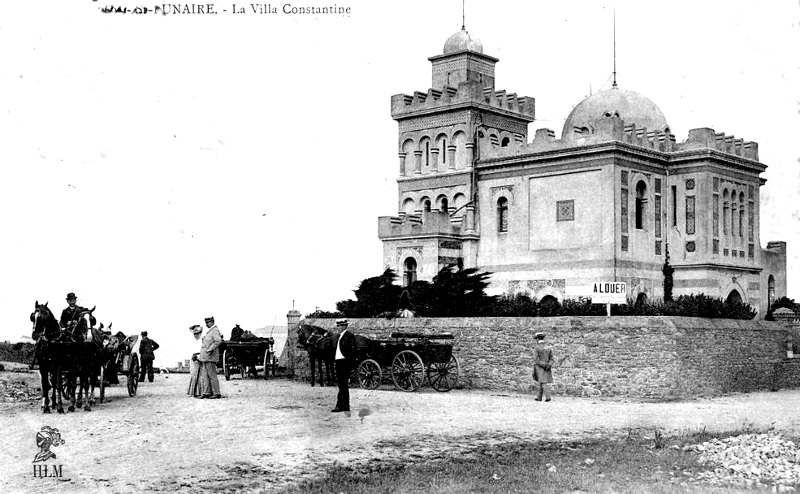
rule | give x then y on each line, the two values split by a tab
640	463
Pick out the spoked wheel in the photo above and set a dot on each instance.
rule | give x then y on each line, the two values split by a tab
226	365
443	376
369	374
408	372
133	376
102	383
268	363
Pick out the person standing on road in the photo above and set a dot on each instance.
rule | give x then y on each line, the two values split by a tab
345	354
146	352
542	367
194	364
208	358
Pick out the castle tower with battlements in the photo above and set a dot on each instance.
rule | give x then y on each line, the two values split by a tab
608	201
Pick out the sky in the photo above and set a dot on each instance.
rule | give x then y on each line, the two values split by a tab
167	168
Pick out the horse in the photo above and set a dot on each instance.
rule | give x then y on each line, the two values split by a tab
49	351
321	347
89	359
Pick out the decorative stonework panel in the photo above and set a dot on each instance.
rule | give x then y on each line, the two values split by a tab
690	184
450	244
623	201
624	243
534	286
565	210
715	246
624	178
690	215
690	247
715	183
657	217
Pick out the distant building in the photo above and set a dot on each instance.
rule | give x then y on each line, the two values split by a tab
606	201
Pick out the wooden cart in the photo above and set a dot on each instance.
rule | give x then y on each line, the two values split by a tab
409	358
246	356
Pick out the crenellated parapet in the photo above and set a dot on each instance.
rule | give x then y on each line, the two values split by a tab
425	224
709	138
469	93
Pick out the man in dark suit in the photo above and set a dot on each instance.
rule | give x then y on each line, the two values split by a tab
345	355
72	313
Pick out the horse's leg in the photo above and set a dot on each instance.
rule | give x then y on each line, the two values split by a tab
57	385
45	387
86	383
313	363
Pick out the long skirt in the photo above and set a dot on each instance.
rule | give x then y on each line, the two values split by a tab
209	383
194	379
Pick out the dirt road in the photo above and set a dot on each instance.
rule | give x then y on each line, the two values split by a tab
265	434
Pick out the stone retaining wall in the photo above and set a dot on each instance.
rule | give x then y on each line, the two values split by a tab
642	357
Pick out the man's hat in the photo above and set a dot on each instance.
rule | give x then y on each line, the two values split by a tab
71	296
209	319
539	336
144	333
341	322
196	329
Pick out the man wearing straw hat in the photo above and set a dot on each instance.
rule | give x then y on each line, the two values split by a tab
345	355
208	358
542	367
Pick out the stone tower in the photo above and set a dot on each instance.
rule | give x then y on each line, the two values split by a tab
438	130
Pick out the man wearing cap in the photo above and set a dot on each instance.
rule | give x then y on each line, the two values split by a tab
70	315
542	367
147	347
345	354
208	358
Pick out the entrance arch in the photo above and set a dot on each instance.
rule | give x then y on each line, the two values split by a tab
734	297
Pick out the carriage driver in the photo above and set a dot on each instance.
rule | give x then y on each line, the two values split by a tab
70	315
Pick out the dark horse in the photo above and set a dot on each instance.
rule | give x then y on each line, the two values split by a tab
51	354
321	347
89	341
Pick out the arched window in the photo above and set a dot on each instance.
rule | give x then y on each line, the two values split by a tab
734	297
741	214
770	291
443	206
505	142
426	206
502	214
641	201
725	211
641	299
409	271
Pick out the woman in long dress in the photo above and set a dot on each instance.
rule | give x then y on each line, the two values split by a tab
194	365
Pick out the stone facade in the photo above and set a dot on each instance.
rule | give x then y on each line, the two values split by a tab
637	357
605	202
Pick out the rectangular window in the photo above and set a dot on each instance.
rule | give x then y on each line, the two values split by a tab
657	223
658	247
715	214
715	246
674	205
716	184
750	219
565	210
658	186
623	201
690	215
624	178
725	252
751	251
751	193
624	244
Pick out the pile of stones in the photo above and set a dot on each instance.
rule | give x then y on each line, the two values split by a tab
750	459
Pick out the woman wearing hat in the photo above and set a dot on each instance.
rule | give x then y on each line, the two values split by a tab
542	367
194	365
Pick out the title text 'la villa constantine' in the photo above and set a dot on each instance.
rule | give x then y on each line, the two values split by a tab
253	8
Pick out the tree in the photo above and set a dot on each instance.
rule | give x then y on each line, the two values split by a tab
374	296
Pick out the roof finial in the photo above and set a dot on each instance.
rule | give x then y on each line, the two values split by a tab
614	83
463	15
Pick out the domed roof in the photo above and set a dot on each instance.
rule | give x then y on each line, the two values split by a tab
631	107
462	41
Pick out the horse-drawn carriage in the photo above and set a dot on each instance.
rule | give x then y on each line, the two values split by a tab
117	358
410	359
73	361
245	356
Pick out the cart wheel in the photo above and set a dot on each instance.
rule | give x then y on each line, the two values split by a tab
226	365
443	376
268	363
369	374
133	376
408	371
102	383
